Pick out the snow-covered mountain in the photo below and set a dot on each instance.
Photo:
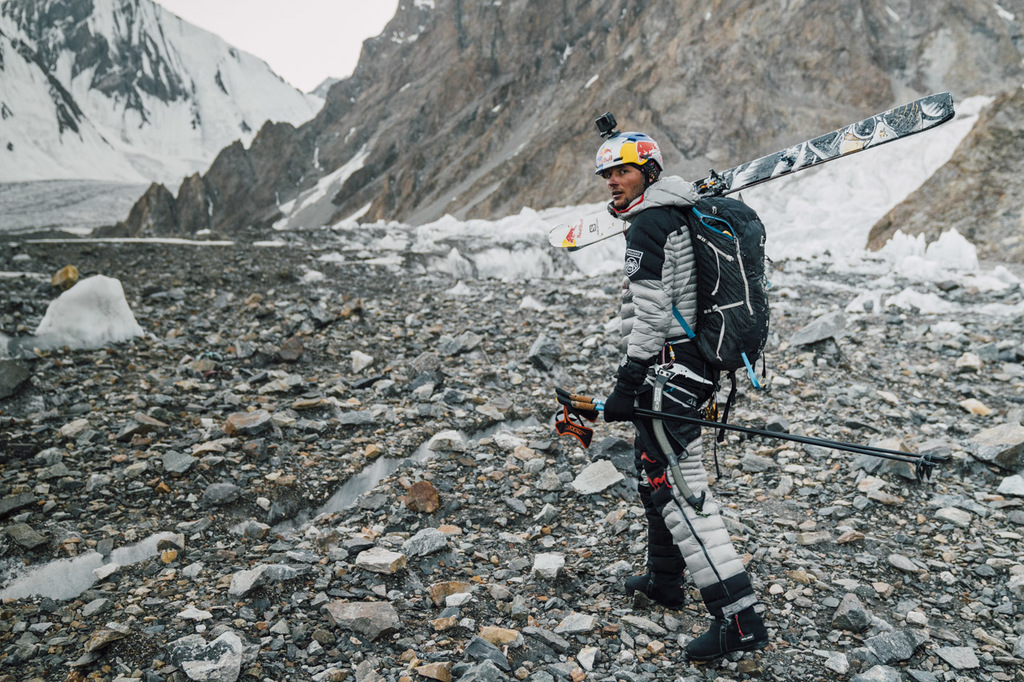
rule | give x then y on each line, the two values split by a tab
476	110
125	90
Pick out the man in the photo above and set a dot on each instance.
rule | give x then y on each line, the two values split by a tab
662	370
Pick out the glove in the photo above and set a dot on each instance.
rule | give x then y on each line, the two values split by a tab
618	407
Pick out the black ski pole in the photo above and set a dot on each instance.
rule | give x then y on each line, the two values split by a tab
923	464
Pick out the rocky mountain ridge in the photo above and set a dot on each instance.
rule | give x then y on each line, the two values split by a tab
125	90
478	110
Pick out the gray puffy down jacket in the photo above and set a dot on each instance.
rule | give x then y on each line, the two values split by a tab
660	269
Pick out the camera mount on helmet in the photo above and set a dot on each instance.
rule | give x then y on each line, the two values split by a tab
606	125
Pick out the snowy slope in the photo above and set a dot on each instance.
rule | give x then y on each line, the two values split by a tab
159	93
43	132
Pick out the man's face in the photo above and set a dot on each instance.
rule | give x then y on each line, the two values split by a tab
625	182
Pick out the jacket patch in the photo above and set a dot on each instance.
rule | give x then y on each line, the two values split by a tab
633	261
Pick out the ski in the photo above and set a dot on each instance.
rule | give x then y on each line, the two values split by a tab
586	231
905	120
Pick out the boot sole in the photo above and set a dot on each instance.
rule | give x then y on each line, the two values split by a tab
752	646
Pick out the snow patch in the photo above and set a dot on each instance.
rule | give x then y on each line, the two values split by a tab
92	314
1004	13
292	210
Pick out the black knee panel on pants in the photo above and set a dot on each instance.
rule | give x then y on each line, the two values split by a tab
720	595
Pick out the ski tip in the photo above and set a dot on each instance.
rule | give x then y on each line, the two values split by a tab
939	107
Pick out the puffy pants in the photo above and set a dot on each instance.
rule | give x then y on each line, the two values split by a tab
700	538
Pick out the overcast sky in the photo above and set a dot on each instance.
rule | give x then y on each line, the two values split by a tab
304	41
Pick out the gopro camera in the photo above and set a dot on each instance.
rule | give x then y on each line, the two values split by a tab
606	125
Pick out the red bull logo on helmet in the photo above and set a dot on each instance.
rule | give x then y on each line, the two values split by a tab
605	155
646	149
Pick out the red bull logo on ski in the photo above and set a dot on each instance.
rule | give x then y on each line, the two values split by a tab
574	233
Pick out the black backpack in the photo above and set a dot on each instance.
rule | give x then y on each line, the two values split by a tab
732	298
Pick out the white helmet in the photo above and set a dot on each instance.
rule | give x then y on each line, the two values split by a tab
635	148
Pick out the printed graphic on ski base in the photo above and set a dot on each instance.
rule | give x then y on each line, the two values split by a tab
915	117
586	231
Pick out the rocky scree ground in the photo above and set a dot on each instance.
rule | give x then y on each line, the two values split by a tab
499	553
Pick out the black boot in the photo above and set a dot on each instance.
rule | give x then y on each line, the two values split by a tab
744	631
671	594
663	581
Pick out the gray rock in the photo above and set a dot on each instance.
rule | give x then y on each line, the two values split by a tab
97	606
547	514
13	503
960	657
515	504
837	662
25	535
217	494
13	375
922	676
487	671
878	673
545	352
851	614
426	541
381	560
645	625
755	463
903	563
178	462
896	646
1001	445
576	623
559	644
216	661
1012	485
548	566
356	418
828	326
370	619
958	517
937	447
245	581
618	450
479	649
597	476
